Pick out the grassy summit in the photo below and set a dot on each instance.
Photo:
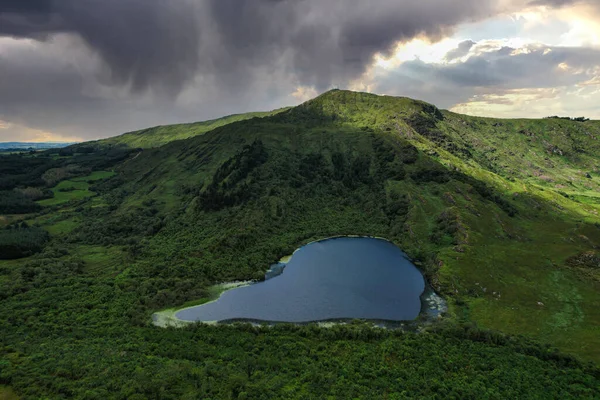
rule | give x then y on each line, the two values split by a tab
501	215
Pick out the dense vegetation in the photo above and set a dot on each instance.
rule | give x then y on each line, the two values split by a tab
501	215
246	362
577	119
15	202
47	168
21	241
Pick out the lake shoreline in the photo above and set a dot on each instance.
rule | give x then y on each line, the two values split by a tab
168	318
432	305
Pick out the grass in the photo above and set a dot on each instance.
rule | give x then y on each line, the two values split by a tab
95	176
161	135
6	393
56	223
75	189
528	291
63	227
67	191
167	318
101	261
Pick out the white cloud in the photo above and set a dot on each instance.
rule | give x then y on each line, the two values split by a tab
304	93
417	49
533	103
539	61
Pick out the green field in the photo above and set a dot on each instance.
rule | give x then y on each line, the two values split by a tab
94	176
62	227
7	393
500	215
75	189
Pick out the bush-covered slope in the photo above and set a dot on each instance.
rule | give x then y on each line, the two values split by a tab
510	250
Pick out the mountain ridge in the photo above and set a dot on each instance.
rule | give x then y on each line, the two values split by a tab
162	134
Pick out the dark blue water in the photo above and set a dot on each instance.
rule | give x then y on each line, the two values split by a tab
362	278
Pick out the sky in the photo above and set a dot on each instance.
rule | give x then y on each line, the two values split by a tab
75	70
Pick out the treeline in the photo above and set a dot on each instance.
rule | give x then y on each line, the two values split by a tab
242	178
576	119
118	229
45	270
20	241
24	171
14	202
295	362
228	186
97	157
42	170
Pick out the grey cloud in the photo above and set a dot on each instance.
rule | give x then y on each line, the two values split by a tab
42	89
491	72
461	51
554	3
326	42
564	3
165	44
27	7
220	56
144	42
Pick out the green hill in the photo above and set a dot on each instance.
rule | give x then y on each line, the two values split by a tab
159	135
500	215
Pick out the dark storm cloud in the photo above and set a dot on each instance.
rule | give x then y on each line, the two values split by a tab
188	60
165	44
26	6
144	42
326	42
148	43
42	88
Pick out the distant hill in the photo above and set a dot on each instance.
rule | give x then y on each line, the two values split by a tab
5	146
160	135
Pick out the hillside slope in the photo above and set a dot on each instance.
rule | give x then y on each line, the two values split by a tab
501	215
160	135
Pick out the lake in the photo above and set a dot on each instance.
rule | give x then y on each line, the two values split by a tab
341	278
